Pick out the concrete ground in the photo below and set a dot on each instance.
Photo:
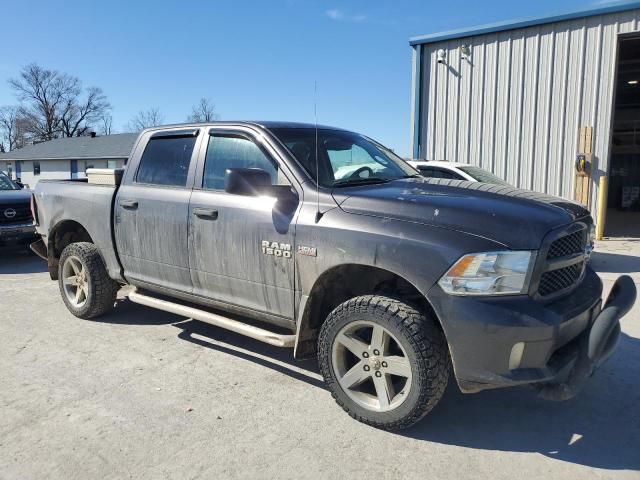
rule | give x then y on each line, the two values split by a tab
143	394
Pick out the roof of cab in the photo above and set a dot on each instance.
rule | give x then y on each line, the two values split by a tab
269	124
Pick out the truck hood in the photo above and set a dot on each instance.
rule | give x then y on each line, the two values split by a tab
518	219
14	196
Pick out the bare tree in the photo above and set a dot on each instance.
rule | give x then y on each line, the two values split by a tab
52	103
11	127
145	119
79	115
106	124
204	111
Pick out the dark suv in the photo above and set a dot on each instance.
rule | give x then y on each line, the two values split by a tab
16	220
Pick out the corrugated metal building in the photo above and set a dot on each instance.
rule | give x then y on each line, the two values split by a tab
513	97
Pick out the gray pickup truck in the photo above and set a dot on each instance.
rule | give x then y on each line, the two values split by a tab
325	241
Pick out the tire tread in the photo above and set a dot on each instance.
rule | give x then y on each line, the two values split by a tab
422	333
103	288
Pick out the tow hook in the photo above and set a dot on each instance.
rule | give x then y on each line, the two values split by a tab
596	345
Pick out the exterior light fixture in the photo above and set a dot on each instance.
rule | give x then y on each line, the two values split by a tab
632	82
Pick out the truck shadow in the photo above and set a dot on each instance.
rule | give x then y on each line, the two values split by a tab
275	358
19	261
218	339
128	313
604	262
599	428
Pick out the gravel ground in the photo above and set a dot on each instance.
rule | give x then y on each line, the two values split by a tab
144	394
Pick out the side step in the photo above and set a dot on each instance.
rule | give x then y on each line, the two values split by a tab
256	333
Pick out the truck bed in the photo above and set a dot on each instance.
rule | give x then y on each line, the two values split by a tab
78	201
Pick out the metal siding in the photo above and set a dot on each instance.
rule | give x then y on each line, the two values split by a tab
453	100
516	105
487	154
476	107
530	112
416	98
503	94
516	102
464	106
428	114
546	75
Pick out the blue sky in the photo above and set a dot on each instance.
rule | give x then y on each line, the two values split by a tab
255	59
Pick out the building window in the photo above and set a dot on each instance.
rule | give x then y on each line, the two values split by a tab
36	168
112	164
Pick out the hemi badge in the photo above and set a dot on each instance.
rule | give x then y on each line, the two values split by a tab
309	251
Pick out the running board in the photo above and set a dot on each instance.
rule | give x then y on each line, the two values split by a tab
256	333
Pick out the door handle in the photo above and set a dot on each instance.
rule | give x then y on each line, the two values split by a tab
130	204
207	213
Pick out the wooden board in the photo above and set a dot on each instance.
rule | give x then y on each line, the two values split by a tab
583	179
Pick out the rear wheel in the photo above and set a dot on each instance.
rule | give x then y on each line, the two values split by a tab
385	362
86	288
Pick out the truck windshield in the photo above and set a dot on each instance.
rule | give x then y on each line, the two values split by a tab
6	183
345	158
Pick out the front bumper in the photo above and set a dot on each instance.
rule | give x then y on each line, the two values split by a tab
17	234
505	341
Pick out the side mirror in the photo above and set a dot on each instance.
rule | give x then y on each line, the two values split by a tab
20	184
255	182
246	181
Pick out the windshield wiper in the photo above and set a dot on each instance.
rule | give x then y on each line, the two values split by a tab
361	181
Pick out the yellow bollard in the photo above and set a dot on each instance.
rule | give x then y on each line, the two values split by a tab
602	207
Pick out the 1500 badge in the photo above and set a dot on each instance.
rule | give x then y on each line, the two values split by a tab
276	249
284	249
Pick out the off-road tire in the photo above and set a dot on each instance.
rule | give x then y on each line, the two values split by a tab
424	345
102	289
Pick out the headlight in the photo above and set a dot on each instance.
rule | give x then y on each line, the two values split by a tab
490	273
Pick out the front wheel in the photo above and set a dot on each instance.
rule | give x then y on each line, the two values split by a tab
385	363
85	286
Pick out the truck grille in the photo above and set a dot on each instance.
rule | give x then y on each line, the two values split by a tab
558	280
22	213
567	245
564	264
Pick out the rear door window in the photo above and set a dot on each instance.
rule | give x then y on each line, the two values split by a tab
166	161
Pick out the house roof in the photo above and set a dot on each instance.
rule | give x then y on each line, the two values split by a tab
614	7
101	147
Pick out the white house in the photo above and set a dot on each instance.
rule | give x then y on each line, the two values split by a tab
65	158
